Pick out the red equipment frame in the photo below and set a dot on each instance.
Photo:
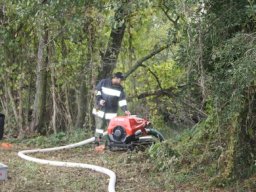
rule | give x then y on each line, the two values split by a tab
131	124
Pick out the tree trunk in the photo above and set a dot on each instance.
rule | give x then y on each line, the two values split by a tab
109	58
66	112
37	123
20	109
81	103
13	104
84	96
54	103
67	109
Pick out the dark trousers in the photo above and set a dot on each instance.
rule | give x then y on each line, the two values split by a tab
101	125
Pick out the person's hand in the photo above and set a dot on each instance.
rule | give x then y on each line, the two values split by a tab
127	113
102	102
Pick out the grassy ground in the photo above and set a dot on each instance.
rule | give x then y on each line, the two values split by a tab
134	171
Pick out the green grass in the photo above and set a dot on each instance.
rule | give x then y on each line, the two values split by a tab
160	168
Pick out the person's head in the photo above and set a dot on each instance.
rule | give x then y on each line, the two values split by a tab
117	78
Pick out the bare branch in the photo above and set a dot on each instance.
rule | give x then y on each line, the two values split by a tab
157	79
169	93
175	22
143	59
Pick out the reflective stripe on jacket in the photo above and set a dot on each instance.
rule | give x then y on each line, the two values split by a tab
114	97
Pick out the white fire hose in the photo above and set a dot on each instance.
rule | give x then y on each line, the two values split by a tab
111	174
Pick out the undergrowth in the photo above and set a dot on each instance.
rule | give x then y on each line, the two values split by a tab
204	156
61	138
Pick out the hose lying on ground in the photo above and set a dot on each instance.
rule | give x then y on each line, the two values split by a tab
155	133
111	174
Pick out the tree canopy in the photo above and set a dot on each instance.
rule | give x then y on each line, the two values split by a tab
189	66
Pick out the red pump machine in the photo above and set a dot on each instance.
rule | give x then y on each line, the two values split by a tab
126	132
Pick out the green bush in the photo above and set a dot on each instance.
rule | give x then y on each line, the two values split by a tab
162	155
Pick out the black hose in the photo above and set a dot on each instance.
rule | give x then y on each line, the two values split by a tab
155	133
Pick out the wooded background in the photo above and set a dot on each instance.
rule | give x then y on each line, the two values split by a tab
189	64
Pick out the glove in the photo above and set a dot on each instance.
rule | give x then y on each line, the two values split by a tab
127	113
102	102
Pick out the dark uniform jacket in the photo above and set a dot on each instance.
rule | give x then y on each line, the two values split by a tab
114	97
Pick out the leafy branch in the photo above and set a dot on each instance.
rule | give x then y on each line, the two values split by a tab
139	63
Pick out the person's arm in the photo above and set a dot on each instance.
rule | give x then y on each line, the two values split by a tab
123	103
98	93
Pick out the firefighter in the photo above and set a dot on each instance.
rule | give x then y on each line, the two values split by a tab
109	96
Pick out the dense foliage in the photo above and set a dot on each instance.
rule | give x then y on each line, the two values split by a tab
190	66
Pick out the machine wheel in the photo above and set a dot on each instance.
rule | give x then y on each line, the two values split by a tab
118	135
